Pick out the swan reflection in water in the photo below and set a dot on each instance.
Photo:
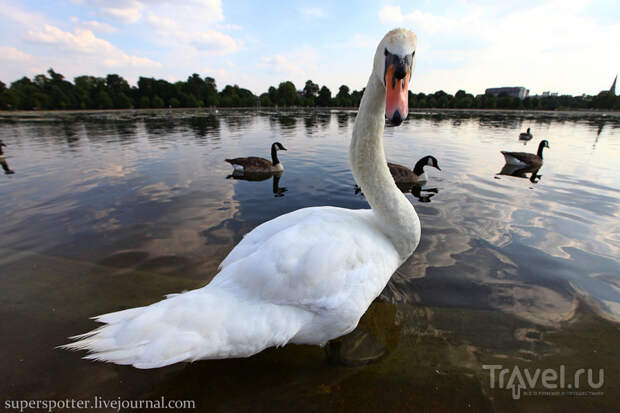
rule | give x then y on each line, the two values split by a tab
421	193
261	176
520	171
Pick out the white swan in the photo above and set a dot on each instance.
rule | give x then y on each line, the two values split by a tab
305	277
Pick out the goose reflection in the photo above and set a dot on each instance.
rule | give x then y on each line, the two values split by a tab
519	171
418	191
5	166
278	191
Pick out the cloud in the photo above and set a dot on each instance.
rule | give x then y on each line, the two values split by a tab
229	27
85	42
125	15
485	45
11	53
161	22
358	41
131	11
313	12
95	26
214	41
295	66
203	41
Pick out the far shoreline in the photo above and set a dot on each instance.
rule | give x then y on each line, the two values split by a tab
414	111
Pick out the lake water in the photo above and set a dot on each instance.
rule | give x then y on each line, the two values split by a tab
112	210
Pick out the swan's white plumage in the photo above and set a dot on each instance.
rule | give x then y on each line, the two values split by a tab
305	277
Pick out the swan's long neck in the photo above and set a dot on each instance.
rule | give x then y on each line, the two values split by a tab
396	214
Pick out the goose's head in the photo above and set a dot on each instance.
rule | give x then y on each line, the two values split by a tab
394	64
543	144
278	146
432	161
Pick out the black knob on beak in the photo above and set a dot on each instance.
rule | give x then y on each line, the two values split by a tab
397	119
400	68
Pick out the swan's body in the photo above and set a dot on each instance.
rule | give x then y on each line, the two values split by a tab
526	136
526	159
254	164
304	277
404	175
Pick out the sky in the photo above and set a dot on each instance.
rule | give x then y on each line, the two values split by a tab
568	46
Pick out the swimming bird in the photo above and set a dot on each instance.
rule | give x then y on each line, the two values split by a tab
526	159
1	151
402	174
305	277
254	164
526	136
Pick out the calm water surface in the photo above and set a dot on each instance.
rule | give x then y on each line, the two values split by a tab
108	211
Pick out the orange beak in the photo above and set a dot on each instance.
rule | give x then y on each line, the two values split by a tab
396	98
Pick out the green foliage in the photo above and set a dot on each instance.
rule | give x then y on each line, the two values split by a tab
325	96
51	91
286	94
157	102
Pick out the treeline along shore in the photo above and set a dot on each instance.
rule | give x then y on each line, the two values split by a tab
54	92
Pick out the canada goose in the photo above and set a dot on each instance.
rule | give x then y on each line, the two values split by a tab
526	159
526	136
402	174
1	151
305	277
255	164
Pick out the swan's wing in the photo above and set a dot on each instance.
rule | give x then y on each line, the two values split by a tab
315	258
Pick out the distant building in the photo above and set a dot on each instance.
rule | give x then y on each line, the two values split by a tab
612	89
547	94
515	92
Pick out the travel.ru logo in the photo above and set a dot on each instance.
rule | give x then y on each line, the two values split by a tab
551	380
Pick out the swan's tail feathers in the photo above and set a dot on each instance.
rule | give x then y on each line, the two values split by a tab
209	323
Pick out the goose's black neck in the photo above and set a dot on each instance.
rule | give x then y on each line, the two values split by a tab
418	169
274	155
541	146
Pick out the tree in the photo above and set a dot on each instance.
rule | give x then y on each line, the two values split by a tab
311	89
104	101
343	98
157	102
325	97
265	100
287	93
273	95
210	97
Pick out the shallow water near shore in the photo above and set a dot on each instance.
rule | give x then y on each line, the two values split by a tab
112	210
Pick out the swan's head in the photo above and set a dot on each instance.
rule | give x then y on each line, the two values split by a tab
394	64
278	146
